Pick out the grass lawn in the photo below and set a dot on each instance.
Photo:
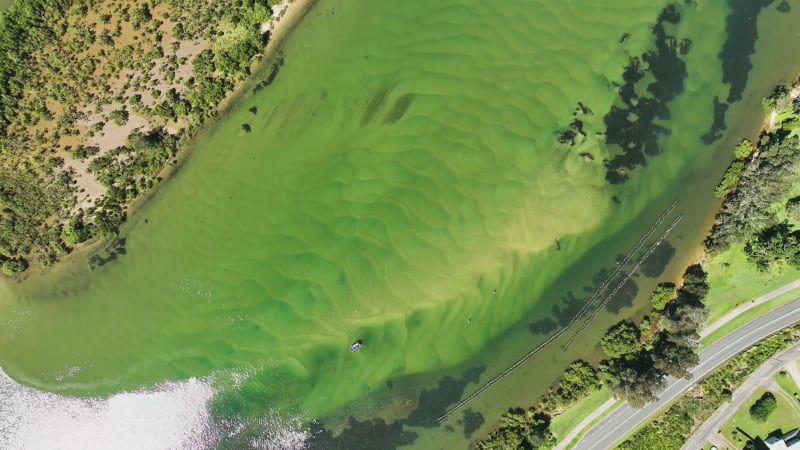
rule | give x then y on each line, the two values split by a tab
785	418
564	423
786	382
748	315
734	280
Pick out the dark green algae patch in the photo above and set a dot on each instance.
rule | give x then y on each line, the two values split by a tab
634	124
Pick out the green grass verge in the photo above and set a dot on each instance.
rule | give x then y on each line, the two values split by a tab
671	428
784	418
733	280
564	423
588	427
749	315
786	382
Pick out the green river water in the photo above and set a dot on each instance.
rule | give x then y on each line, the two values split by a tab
401	184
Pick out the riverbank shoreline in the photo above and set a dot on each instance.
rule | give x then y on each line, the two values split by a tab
288	18
281	30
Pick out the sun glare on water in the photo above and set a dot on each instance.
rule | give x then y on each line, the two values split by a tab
173	415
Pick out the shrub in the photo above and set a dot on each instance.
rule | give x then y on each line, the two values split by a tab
12	266
743	149
662	295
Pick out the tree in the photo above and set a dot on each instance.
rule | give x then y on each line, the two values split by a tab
686	318
763	407
695	286
778	100
621	339
634	379
119	116
76	230
674	357
730	179
579	379
775	244
662	295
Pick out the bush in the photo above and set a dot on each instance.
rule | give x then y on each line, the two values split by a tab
763	407
662	295
119	116
743	149
12	266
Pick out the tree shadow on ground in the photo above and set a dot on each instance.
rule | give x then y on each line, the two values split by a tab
624	297
569	307
543	326
367	435
472	421
632	126
656	263
110	252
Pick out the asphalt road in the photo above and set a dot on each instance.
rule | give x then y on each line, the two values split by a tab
762	376
624	419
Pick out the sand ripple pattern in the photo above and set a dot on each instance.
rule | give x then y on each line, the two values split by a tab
401	184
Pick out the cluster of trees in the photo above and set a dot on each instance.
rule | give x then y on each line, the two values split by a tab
521	429
24	28
752	186
25	207
639	362
639	359
530	429
670	429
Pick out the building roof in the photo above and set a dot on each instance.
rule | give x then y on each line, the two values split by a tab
788	441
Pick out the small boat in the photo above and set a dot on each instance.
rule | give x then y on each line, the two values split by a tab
356	345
